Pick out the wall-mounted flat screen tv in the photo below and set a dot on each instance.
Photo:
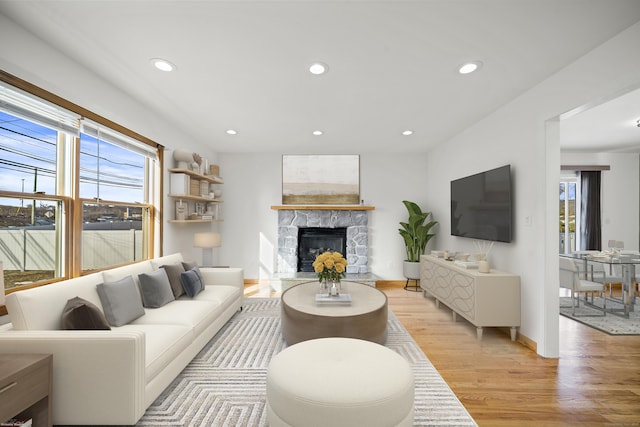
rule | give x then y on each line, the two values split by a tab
481	205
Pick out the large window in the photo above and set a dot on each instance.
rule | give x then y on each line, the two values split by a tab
75	194
568	215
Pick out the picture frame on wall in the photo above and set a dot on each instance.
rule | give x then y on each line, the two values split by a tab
321	179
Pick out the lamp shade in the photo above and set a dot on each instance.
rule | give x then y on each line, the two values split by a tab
207	240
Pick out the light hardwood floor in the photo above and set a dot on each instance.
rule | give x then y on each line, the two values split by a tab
595	382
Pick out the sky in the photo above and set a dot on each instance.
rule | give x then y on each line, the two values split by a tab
28	157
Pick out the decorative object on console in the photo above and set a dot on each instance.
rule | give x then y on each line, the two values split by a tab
483	266
207	241
483	252
320	179
416	235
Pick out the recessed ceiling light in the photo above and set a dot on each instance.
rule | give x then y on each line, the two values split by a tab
162	64
232	132
407	132
470	67
317	132
318	68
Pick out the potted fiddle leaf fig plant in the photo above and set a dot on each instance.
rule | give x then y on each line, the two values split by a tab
416	234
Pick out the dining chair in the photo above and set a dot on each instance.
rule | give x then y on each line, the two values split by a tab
570	279
595	270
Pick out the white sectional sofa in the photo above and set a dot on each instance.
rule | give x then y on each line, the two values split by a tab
110	377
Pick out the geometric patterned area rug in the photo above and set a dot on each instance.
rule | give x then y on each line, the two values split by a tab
225	384
611	324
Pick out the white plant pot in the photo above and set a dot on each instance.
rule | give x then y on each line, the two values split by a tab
411	270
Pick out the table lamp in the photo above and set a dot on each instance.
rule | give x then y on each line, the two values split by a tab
207	241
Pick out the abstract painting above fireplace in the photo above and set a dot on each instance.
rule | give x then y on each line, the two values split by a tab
320	179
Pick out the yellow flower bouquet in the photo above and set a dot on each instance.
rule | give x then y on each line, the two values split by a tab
330	266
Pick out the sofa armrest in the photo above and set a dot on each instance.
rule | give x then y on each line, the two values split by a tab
98	376
223	276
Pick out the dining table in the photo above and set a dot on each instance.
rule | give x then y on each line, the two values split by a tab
627	262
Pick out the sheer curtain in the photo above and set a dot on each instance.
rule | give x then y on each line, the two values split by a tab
590	212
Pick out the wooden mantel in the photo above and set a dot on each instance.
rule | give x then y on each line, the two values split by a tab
322	208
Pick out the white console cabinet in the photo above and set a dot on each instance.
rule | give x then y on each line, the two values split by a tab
484	299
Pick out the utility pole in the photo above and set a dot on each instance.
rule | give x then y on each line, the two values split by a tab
33	205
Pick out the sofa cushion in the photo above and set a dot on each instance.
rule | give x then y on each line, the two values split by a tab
223	295
80	314
155	288
195	314
192	282
173	273
121	301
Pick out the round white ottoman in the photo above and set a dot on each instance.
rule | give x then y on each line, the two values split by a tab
339	382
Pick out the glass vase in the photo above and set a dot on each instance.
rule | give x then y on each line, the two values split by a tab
335	288
325	285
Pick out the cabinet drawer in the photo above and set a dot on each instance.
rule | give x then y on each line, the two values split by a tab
23	389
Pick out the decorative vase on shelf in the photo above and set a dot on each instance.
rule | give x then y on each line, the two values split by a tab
183	158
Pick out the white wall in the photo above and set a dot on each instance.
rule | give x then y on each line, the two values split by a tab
620	190
525	133
253	183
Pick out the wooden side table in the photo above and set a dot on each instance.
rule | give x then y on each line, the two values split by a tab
25	387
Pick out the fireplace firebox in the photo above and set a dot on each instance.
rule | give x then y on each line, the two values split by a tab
312	241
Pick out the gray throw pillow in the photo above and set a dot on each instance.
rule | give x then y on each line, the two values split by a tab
188	265
173	273
191	282
121	301
155	289
80	314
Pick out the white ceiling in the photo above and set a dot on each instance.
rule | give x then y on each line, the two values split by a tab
392	65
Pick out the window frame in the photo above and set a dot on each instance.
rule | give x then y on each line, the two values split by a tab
67	189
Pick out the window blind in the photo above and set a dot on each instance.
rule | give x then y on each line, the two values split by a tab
111	136
29	107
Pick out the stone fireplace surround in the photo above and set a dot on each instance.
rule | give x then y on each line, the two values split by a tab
355	220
